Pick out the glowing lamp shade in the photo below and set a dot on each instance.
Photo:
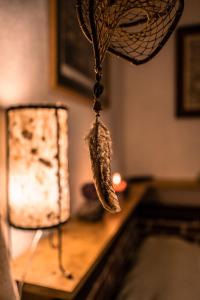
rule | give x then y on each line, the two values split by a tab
38	189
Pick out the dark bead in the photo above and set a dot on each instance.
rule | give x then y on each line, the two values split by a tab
97	106
98	77
98	89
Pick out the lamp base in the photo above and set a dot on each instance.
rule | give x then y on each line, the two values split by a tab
66	274
59	246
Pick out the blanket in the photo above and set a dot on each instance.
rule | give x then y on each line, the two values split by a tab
167	268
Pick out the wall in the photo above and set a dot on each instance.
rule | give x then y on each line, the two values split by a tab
147	138
155	141
25	77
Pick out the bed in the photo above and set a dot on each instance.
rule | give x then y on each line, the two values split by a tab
167	263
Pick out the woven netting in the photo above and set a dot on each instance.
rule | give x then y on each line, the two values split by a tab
133	29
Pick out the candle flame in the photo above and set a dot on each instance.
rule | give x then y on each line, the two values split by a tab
116	178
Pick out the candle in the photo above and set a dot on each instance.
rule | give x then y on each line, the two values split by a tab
119	185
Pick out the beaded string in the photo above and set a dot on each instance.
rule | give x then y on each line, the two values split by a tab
97	92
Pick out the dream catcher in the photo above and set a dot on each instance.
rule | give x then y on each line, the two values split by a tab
132	29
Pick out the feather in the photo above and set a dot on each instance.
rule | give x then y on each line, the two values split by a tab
99	142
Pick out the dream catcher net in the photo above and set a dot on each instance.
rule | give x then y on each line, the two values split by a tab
135	30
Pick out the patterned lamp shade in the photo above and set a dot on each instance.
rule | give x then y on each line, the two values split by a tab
38	188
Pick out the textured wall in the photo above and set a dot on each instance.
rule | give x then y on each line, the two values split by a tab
155	141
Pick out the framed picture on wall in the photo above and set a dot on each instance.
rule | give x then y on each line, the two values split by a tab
188	71
72	59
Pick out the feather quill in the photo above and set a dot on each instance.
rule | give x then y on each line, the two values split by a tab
99	142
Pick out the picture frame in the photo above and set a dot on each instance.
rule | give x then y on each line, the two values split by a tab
188	71
71	54
72	65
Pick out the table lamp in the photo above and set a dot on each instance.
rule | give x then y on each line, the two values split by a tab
37	163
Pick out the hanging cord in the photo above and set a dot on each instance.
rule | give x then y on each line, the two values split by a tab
97	92
32	249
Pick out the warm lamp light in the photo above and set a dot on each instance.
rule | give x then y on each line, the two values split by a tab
38	189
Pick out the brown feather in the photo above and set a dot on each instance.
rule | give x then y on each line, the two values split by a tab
99	142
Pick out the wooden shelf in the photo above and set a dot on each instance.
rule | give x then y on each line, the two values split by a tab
84	244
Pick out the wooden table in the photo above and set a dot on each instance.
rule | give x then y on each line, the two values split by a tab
85	245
